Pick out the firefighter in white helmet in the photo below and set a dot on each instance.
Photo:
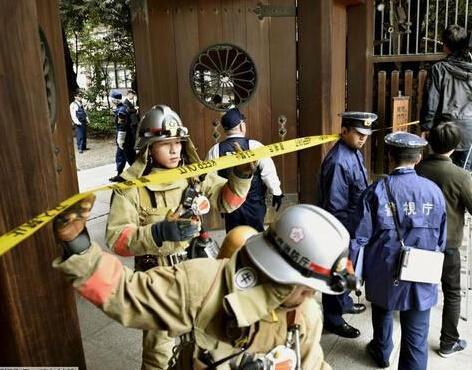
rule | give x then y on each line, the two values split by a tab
254	310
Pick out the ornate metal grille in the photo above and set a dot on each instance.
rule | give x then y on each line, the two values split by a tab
223	76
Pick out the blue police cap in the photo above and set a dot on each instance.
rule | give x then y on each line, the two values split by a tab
361	121
232	118
405	140
115	95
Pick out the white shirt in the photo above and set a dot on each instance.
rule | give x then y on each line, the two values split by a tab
266	165
74	106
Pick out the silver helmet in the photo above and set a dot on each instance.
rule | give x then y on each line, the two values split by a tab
158	124
305	246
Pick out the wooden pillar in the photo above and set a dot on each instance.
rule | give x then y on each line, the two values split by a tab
360	70
38	318
322	71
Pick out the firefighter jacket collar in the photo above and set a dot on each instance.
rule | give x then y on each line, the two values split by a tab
253	304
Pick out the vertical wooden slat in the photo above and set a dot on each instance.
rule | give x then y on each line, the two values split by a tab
409	92
162	48
381	111
283	82
422	74
142	47
186	34
210	32
394	84
314	58
359	66
257	44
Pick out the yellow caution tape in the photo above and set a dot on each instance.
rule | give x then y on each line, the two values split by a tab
20	233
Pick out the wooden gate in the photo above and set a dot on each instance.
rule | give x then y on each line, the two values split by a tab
170	35
391	82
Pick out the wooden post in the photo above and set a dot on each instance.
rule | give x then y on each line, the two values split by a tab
360	71
321	82
38	317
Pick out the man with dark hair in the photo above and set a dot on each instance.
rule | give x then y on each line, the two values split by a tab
343	178
418	206
456	185
448	92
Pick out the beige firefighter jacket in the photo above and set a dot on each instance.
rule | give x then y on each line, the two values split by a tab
132	213
200	295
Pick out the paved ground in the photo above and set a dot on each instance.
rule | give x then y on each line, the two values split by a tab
101	152
108	345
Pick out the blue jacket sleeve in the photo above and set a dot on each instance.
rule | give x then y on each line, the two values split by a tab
336	183
364	229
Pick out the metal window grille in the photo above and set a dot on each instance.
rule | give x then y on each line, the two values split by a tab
414	27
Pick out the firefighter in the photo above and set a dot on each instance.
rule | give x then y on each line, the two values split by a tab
156	223
253	309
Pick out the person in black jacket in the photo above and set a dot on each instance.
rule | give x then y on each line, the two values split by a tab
456	185
448	92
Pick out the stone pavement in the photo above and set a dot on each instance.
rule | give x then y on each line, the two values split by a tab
108	345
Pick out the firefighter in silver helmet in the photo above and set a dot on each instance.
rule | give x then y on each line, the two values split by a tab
156	223
254	310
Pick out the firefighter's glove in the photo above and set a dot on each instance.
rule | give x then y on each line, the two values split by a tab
175	229
69	227
245	170
120	139
277	201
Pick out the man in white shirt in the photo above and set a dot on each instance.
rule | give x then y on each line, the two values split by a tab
253	210
80	120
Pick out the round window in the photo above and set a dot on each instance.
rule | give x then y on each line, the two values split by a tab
223	76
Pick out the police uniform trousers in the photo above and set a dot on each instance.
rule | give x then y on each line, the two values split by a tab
333	308
251	213
127	154
414	336
81	136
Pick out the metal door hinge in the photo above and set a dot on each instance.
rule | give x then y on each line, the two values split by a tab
263	11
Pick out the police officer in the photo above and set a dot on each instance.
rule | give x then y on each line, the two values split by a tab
155	223
125	139
129	102
253	210
80	120
419	208
343	178
256	307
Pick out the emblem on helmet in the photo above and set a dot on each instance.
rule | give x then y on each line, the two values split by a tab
296	234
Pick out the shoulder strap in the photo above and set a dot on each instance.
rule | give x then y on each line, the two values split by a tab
393	208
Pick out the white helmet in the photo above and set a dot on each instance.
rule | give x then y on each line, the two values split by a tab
158	124
305	246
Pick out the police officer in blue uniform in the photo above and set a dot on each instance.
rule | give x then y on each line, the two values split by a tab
421	215
343	178
253	210
125	139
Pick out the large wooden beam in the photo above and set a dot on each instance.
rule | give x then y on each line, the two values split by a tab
360	70
321	58
38	317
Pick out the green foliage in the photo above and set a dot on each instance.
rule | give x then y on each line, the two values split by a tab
101	123
99	33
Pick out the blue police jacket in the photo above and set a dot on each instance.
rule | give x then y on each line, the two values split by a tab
422	217
343	178
121	118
